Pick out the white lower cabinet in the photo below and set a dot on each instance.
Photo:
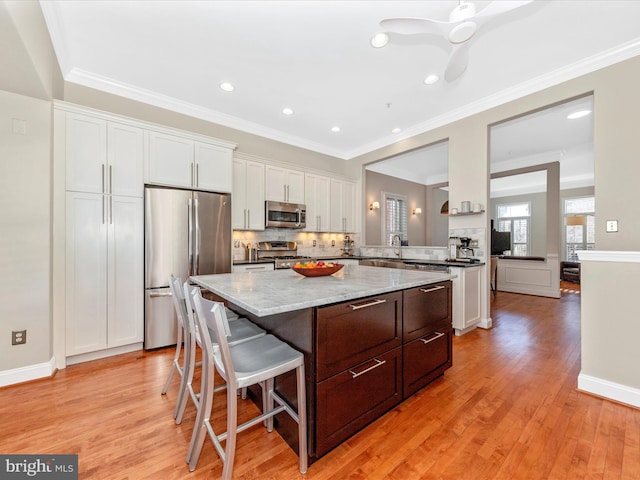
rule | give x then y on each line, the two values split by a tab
104	272
466	302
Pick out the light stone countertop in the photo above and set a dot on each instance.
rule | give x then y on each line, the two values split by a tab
278	291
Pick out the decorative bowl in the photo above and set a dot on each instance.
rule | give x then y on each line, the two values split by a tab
318	271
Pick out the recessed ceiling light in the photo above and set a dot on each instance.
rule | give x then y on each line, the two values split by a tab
431	79
335	129
227	87
578	114
396	130
287	111
379	40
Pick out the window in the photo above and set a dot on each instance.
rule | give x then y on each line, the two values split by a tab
395	217
580	225
515	218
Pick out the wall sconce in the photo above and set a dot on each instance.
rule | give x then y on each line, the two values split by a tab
374	205
417	211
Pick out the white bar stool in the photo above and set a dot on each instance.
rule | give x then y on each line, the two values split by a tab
256	361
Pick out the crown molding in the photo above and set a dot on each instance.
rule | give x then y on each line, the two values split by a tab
569	72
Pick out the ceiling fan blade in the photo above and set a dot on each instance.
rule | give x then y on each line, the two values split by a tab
414	26
457	62
498	7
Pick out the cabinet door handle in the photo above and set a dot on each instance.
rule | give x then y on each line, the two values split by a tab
103	208
110	179
110	210
377	364
102	179
197	175
248	218
427	290
438	335
365	305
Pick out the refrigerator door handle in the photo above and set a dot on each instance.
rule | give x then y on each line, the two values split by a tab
190	236
196	266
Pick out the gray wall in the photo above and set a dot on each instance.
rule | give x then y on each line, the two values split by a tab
376	183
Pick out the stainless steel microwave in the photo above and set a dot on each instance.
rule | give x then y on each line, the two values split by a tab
285	215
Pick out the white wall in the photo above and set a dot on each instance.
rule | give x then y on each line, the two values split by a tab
25	226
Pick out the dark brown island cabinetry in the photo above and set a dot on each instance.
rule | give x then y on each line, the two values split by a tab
427	335
362	358
359	365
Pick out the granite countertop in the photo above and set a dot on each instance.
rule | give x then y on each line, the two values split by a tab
268	293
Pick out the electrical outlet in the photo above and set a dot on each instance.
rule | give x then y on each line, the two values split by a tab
236	244
19	337
612	226
333	243
314	243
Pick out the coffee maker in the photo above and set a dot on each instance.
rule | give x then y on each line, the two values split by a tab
464	251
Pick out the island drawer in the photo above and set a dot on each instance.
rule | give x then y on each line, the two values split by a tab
350	400
349	333
424	307
426	358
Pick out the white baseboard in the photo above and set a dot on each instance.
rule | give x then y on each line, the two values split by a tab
108	352
28	373
485	323
613	391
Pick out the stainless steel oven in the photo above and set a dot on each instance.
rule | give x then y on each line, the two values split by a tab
284	254
285	215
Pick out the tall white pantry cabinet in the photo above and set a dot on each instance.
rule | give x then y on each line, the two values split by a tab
104	235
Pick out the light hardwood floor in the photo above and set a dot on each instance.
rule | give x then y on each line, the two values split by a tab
507	409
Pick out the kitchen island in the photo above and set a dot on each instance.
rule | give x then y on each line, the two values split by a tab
371	337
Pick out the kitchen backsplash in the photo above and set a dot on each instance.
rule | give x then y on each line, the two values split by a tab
326	244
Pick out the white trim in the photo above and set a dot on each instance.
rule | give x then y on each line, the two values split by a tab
485	323
113	117
569	72
109	352
28	373
608	256
613	391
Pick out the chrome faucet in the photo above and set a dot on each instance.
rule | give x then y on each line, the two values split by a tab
397	251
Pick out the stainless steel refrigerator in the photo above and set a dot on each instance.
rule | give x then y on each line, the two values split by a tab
186	233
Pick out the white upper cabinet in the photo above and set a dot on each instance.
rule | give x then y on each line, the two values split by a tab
125	155
247	204
317	199
343	206
284	185
103	156
182	162
171	160
213	167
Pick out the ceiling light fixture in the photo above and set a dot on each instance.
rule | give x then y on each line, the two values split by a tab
431	79
227	87
578	114
379	40
287	111
396	130
335	129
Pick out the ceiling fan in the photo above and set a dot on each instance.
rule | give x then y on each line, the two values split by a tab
462	25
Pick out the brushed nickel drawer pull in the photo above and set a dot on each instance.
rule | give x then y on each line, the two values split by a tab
438	335
439	287
370	304
378	363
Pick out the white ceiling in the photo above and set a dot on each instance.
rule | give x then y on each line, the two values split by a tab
315	57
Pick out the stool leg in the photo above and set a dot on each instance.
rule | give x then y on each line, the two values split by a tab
232	426
302	418
204	411
187	379
174	364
